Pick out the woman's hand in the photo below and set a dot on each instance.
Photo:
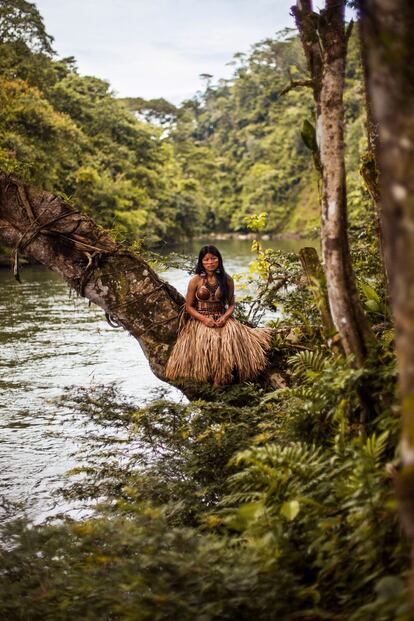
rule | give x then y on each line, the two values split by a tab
209	322
221	322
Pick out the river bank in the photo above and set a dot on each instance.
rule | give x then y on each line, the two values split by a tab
50	341
290	235
6	257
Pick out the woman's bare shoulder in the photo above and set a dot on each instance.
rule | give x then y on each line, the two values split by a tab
230	280
195	281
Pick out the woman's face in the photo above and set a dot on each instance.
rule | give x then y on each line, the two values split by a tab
210	262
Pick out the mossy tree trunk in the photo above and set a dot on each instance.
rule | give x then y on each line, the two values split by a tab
324	39
45	228
369	165
387	33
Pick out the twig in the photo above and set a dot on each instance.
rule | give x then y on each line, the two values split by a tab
21	193
296	84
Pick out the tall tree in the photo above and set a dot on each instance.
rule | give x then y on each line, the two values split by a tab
387	34
21	21
324	39
369	166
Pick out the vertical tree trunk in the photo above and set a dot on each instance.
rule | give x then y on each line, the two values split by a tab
369	166
324	41
387	32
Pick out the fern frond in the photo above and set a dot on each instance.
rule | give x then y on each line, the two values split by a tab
308	363
375	446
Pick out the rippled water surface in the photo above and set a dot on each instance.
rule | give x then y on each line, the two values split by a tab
50	340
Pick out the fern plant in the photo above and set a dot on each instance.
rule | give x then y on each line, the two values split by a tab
308	364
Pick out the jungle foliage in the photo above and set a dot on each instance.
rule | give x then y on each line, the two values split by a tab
70	134
244	503
254	134
152	170
248	502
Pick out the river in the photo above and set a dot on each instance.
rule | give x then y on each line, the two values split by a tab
50	341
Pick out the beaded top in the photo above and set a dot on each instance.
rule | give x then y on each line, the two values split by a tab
208	292
209	299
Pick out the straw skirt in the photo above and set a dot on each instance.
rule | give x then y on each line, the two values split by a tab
234	352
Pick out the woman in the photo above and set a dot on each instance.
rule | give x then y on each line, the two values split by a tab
213	346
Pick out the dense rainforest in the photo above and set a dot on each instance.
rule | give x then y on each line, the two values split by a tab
149	169
269	500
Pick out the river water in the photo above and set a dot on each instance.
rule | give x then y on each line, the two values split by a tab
50	341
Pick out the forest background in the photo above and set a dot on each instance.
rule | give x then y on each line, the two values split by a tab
255	501
149	169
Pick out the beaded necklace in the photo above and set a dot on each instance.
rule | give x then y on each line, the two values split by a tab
211	288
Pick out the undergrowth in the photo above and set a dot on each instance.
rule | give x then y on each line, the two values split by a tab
245	503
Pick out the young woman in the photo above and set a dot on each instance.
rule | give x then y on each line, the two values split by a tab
213	346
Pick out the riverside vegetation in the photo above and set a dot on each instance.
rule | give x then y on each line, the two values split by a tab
248	502
245	503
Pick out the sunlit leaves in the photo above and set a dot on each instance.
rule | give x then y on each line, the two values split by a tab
290	509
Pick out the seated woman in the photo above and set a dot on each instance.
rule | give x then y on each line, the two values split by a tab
213	346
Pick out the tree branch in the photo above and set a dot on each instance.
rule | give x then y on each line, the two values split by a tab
42	226
296	84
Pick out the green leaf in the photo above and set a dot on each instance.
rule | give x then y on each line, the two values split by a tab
309	135
245	515
389	586
290	509
373	306
251	511
370	292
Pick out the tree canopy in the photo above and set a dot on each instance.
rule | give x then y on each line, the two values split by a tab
155	171
20	21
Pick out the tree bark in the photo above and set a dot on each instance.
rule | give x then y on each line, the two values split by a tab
369	166
47	229
387	31
324	41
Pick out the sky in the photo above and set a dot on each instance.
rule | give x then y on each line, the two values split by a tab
159	48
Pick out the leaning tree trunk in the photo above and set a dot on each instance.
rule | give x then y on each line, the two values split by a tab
387	31
48	230
324	41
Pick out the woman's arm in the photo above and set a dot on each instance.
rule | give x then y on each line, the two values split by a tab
231	301
190	301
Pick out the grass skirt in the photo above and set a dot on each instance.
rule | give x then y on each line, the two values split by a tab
219	355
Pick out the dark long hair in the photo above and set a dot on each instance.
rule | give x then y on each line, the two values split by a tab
220	271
